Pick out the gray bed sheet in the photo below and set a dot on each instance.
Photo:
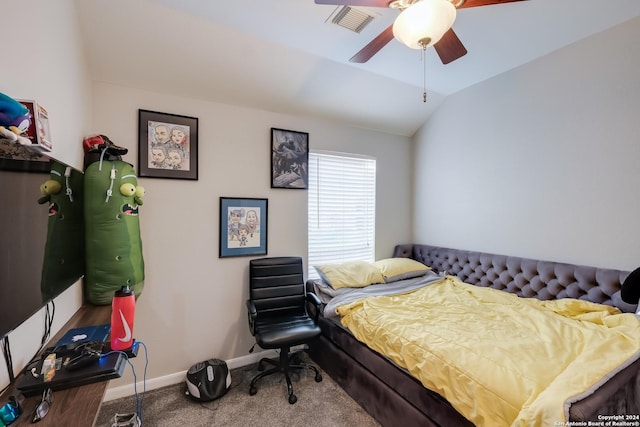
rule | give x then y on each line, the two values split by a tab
333	298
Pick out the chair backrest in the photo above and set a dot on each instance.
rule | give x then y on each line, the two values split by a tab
277	286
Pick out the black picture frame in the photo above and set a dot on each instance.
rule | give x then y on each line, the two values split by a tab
243	226
17	157
167	145
289	159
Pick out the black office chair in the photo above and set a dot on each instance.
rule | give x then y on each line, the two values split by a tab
278	316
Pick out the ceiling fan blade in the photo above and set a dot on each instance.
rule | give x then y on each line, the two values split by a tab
450	48
476	3
373	47
364	3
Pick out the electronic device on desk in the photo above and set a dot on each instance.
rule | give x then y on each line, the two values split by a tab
99	333
83	356
78	336
72	367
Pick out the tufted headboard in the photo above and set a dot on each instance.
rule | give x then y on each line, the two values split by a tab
525	277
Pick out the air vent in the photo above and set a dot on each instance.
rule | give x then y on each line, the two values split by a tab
351	19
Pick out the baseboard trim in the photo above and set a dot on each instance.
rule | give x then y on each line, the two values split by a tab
178	377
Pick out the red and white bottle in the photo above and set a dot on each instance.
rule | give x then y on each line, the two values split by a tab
123	309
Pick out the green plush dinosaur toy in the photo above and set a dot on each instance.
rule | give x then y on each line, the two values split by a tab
112	230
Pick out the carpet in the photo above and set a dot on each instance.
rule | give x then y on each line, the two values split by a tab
319	404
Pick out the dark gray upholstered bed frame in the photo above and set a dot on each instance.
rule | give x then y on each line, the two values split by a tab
394	398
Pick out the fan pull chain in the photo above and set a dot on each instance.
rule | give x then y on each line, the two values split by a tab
424	73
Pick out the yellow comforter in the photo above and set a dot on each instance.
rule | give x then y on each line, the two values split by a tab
498	359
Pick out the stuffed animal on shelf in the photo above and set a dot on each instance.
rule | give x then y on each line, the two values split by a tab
113	247
15	119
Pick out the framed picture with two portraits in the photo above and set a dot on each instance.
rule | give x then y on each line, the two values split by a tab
167	145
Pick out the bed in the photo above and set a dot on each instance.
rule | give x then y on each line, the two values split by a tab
394	396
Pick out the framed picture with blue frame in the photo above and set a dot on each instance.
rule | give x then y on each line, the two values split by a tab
243	226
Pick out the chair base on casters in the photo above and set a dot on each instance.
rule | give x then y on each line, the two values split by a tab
284	367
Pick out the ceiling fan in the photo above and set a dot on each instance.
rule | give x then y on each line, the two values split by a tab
421	23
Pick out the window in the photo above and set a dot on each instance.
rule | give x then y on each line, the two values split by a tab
342	202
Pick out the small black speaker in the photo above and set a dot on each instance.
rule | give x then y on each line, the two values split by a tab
208	380
630	292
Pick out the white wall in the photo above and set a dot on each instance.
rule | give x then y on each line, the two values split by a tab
540	161
193	304
43	60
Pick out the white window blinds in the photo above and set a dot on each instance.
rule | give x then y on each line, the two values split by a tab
342	202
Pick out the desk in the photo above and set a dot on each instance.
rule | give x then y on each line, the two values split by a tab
72	407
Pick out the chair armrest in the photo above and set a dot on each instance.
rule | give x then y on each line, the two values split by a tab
313	299
252	314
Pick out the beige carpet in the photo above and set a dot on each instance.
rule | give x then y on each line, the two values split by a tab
319	404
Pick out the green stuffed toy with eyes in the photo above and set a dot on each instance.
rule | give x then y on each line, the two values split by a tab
64	249
112	197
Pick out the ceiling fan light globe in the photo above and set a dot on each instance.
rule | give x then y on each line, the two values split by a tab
426	19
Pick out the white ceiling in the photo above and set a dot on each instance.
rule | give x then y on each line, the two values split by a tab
282	55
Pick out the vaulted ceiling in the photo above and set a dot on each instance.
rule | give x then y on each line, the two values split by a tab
287	56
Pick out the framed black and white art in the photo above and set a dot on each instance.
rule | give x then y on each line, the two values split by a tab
289	159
